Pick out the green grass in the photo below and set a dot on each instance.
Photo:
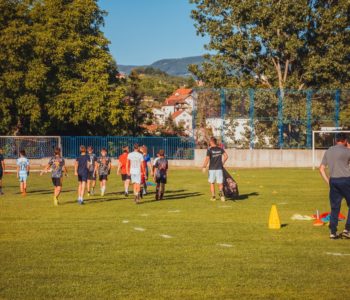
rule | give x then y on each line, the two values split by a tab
87	251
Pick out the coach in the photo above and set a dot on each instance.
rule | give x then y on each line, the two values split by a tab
337	158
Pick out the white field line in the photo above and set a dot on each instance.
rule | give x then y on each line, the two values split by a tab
225	245
174	211
144	215
337	254
125	221
139	229
166	236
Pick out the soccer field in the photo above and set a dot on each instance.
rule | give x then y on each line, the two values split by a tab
184	247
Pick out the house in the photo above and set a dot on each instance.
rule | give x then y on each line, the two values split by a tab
181	99
159	116
184	119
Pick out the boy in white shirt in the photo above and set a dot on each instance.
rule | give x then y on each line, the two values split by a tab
135	166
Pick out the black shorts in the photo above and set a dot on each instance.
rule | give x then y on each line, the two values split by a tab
161	179
1	174
83	177
57	181
91	175
103	177
126	177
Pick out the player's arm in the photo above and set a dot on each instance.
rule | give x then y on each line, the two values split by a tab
118	168
323	173
224	157
65	170
3	164
128	166
143	169
149	164
76	168
17	171
205	164
95	167
28	169
46	168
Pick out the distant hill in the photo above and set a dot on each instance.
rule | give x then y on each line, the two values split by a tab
173	66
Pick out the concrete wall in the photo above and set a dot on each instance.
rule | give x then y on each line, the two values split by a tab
266	158
237	158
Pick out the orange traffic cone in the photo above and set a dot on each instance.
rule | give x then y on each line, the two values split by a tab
274	219
318	221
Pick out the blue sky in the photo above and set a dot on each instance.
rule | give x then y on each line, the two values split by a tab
143	31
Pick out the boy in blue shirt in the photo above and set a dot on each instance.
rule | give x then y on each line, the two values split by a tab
81	169
23	171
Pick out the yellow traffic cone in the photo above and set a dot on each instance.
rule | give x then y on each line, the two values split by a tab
274	219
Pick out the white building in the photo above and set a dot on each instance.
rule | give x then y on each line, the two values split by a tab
184	119
159	116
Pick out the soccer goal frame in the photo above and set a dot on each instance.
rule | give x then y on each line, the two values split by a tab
314	132
34	137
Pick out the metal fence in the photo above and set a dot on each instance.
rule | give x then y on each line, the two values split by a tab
175	147
268	118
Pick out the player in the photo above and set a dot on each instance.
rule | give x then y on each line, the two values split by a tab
216	157
160	171
337	158
123	171
23	171
57	165
104	164
91	181
2	169
81	169
135	167
148	167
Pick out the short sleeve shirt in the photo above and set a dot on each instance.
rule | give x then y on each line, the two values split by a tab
337	158
122	160
57	164
1	160
136	159
83	164
215	156
103	163
92	161
22	163
161	166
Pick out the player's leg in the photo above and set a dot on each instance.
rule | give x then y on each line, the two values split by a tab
346	191
24	187
335	197
82	190
219	175
126	185
211	180
88	185
157	188
93	185
162	190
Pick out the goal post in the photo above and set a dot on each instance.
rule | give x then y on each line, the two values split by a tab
35	146
328	139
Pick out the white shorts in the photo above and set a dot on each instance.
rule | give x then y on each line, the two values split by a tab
136	178
22	177
216	176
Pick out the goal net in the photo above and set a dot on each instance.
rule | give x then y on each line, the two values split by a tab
322	140
35	146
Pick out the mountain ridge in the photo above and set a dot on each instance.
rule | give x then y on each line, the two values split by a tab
172	66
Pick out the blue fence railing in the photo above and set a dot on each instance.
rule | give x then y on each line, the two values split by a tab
174	147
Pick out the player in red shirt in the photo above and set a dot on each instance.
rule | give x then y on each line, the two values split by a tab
122	169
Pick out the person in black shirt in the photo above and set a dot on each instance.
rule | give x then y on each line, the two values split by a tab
216	157
2	169
82	171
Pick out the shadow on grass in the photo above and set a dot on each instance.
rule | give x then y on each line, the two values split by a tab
47	192
244	196
94	200
181	196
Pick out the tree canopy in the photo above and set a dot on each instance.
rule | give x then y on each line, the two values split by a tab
282	44
56	72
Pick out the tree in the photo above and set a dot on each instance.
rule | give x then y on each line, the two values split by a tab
279	45
285	44
57	75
